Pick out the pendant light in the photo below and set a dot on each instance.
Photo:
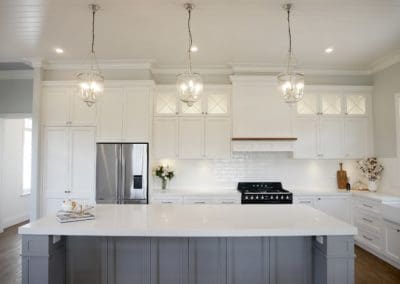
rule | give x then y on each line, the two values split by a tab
291	83
189	84
91	81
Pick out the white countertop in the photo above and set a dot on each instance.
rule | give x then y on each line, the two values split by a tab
196	220
379	196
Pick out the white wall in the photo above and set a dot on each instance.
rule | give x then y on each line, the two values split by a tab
14	207
296	175
386	85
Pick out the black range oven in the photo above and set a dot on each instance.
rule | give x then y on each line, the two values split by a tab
264	193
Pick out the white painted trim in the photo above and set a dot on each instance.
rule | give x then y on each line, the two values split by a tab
385	61
16	75
204	70
121	64
397	115
339	88
107	83
253	79
257	68
15	115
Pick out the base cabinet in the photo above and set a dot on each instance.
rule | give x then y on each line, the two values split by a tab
193	260
392	240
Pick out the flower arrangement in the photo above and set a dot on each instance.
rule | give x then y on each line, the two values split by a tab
165	173
370	168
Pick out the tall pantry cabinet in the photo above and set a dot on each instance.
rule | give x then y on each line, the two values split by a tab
70	130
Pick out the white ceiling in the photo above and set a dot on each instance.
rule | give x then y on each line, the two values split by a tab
226	31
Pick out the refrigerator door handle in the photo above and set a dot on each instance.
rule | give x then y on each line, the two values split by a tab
123	178
119	183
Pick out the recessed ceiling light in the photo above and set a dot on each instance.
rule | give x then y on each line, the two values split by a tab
194	48
59	50
329	50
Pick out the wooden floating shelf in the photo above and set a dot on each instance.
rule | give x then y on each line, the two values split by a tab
264	139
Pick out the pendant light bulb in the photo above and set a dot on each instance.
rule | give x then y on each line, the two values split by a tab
189	84
91	80
291	82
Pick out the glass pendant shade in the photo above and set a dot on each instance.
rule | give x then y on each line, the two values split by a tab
91	83
189	87
291	85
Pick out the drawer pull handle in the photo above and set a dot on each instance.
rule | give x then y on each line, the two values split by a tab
369	239
398	231
166	202
305	201
368	220
199	202
366	205
227	202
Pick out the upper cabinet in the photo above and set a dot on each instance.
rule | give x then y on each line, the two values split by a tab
124	112
335	101
62	106
334	122
259	111
214	101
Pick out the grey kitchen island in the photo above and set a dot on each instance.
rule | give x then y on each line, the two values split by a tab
196	244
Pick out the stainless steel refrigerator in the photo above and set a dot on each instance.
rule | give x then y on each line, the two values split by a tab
122	173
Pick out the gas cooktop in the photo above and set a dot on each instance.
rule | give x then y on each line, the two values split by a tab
264	193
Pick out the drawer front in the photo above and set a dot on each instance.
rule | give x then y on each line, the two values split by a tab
227	201
368	219
369	205
166	201
304	200
197	201
368	238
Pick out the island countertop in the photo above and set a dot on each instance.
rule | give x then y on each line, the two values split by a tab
175	220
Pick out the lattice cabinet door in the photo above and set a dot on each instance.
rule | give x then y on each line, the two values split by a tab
166	103
195	109
331	104
308	105
218	102
356	104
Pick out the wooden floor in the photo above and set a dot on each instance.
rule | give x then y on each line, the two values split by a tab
369	269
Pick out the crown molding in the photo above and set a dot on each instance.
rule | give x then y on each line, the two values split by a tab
107	83
120	64
16	75
386	61
274	68
202	69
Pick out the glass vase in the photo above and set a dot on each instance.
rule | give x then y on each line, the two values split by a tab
163	184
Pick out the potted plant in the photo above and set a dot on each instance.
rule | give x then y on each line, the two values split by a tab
165	173
372	170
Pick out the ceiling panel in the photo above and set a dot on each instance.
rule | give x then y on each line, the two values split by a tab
226	31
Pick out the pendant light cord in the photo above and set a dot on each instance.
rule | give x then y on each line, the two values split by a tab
190	39
289	31
93	18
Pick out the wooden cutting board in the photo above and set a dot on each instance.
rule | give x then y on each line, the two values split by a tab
341	176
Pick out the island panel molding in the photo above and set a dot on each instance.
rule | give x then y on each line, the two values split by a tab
169	260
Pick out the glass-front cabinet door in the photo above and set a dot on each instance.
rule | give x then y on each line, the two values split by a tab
331	104
356	104
308	105
166	102
217	102
195	109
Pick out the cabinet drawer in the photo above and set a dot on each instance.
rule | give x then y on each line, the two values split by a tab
368	238
368	219
369	205
189	200
174	200
227	201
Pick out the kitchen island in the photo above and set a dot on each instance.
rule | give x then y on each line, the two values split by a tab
190	244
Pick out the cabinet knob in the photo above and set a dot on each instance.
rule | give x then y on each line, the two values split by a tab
67	191
177	113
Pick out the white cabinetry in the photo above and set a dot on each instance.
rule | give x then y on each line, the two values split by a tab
338	206
62	105
68	164
333	123
392	240
124	113
202	131
165	138
191	138
258	109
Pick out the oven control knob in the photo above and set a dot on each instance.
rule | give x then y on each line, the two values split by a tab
246	197
251	197
262	197
256	196
287	197
282	197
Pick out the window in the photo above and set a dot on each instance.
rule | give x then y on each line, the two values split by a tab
27	157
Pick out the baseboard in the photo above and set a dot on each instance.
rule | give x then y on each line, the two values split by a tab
378	254
14	221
